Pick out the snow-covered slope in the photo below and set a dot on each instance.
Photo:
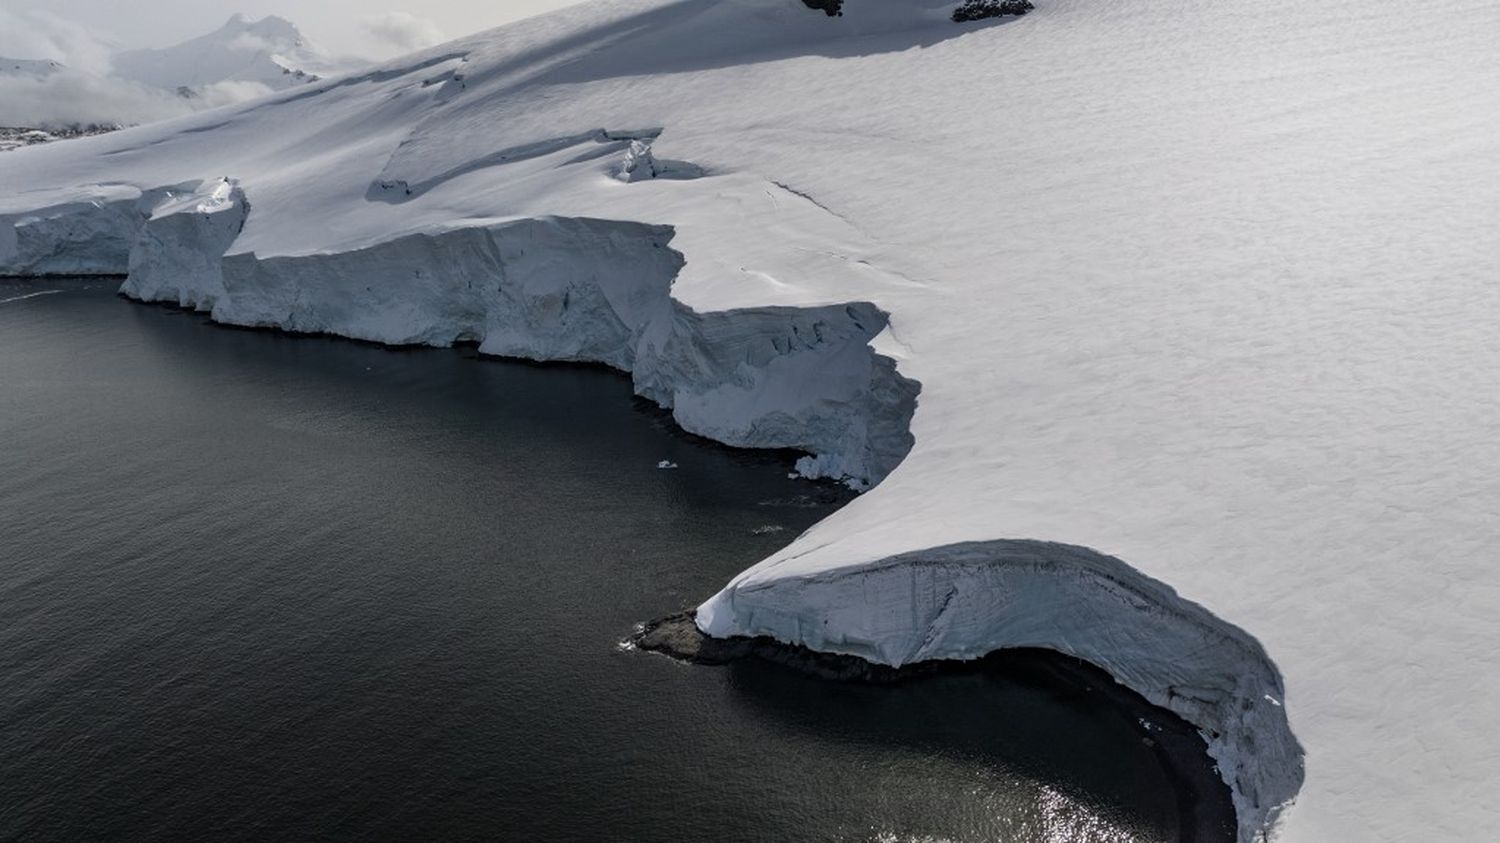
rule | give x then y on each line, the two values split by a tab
1199	298
269	52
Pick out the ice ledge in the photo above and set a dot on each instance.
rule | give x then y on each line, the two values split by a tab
590	290
964	601
543	288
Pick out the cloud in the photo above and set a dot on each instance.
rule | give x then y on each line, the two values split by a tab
83	92
403	31
36	34
230	91
71	98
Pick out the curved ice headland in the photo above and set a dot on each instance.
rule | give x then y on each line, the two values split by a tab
966	600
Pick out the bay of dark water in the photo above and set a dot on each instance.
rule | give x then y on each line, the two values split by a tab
261	587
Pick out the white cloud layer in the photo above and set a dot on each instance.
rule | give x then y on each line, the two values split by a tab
70	99
403	30
73	99
39	34
68	31
332	23
84	92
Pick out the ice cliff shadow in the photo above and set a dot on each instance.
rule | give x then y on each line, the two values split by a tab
583	407
1031	714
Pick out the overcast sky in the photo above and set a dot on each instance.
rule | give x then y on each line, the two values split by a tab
375	29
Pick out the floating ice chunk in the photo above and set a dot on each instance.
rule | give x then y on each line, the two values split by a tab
30	296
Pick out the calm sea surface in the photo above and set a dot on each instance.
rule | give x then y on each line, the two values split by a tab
259	587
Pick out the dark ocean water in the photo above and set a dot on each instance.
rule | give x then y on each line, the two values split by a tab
258	587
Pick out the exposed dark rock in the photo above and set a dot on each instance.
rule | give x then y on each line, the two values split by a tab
832	8
980	9
968	10
17	137
678	636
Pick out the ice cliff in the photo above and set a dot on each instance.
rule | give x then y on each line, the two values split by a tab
1160	334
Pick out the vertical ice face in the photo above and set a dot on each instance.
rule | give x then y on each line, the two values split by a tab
93	235
560	289
178	252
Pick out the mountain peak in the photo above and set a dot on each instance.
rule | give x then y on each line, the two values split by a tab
270	51
270	26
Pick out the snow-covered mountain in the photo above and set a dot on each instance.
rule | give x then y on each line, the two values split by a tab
270	52
1163	333
242	60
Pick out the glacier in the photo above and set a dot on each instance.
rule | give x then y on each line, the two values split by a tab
1159	336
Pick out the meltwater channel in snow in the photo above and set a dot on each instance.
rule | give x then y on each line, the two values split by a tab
1161	334
258	587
